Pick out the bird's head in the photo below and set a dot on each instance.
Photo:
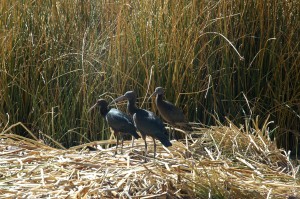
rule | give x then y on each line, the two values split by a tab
158	91
101	103
129	95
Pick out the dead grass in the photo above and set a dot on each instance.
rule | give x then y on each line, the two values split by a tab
223	162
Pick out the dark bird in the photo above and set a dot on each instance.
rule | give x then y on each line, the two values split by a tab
169	112
120	122
146	122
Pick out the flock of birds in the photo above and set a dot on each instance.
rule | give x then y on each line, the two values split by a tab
146	122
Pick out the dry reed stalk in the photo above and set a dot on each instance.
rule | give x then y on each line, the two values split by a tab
223	161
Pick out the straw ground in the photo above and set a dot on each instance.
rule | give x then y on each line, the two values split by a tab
223	162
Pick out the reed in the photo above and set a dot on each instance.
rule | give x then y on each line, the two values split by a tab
216	59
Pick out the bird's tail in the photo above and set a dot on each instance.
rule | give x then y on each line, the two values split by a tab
135	134
185	126
164	140
188	127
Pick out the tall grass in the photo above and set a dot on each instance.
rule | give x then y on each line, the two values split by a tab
216	59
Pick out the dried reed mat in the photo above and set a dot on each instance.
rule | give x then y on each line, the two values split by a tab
223	162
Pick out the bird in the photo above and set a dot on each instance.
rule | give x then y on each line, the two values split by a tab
146	122
120	122
169	112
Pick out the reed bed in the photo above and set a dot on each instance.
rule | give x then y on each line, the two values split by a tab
235	59
220	162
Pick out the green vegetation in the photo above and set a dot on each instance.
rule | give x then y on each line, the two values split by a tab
216	59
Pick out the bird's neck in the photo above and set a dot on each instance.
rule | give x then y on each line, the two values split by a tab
131	107
104	111
159	98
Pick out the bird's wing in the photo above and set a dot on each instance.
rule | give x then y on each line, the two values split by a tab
174	113
119	121
148	123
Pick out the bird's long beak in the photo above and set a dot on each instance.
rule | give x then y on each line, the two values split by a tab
152	95
119	99
92	107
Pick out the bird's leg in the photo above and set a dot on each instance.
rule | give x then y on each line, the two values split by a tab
154	147
122	143
186	141
187	151
132	141
117	143
144	138
170	132
173	133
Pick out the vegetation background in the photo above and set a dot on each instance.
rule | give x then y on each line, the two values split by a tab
217	59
